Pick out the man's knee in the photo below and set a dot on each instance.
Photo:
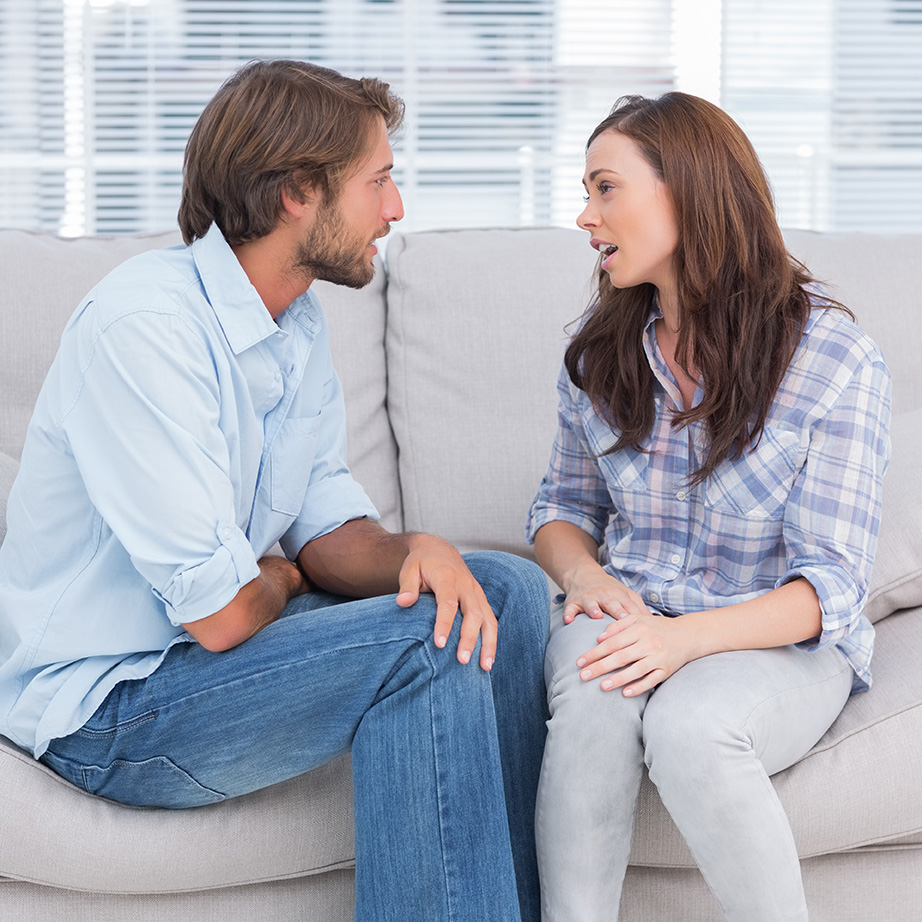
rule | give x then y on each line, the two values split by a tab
507	572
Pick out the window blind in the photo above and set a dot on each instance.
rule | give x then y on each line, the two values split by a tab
97	97
830	91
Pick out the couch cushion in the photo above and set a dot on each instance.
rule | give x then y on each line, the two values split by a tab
47	276
473	353
52	833
878	276
858	787
8	470
897	578
356	321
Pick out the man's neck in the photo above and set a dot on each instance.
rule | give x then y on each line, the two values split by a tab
267	263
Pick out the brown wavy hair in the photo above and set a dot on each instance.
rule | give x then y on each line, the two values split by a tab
742	297
272	126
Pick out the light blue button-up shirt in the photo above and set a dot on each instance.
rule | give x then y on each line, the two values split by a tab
181	432
805	502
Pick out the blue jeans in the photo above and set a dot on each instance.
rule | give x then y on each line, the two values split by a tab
445	756
710	737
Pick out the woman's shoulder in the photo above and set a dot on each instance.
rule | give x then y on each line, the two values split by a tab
831	333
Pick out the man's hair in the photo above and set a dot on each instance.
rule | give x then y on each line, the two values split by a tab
743	301
273	126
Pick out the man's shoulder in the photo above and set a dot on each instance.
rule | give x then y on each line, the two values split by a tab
157	281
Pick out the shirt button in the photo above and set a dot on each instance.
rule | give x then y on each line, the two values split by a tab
654	597
676	559
227	532
681	496
278	376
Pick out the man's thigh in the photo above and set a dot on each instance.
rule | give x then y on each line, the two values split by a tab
205	726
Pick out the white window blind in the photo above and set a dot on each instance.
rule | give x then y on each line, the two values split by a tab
830	91
97	97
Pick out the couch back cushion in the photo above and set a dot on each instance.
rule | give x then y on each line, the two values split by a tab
46	277
878	276
475	339
357	320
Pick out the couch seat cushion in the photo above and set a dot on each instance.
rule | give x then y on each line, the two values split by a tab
52	833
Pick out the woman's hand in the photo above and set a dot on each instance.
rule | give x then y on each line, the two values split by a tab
596	593
639	651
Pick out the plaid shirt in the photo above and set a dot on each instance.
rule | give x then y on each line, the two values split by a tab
805	502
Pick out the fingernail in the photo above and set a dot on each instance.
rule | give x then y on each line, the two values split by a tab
608	684
581	661
464	656
629	692
441	640
586	674
488	665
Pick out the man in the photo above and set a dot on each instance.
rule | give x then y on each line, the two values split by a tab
150	651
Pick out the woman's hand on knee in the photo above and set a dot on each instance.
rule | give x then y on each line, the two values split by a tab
637	652
598	594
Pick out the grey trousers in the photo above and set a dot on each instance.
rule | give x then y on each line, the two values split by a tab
710	736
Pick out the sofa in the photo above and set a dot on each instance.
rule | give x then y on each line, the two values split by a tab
449	360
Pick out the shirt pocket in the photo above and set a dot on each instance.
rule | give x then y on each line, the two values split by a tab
759	483
625	470
290	462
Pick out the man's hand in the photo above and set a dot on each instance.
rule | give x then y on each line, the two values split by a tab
433	565
362	559
258	603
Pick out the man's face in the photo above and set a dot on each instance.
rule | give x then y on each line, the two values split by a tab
339	246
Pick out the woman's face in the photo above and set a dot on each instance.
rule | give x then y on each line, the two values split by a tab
630	214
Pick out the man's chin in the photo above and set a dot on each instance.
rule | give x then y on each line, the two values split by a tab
351	279
348	277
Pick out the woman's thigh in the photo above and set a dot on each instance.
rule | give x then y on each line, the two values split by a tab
778	701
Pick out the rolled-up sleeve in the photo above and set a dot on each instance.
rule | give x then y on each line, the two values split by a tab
832	518
155	461
573	488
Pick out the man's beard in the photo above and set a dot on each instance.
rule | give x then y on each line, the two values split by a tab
329	252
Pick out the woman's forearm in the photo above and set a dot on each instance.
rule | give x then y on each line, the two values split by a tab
562	549
786	615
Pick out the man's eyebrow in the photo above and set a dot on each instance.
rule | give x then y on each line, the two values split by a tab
385	169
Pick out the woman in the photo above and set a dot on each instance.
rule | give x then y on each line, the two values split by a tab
722	439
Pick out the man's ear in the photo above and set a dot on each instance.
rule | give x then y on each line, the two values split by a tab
298	201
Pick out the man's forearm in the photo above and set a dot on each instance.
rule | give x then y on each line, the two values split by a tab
257	604
359	559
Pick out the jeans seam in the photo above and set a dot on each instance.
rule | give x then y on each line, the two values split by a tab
121	727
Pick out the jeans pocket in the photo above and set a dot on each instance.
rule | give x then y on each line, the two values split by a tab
155	782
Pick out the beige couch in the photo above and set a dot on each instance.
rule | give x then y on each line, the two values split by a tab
449	363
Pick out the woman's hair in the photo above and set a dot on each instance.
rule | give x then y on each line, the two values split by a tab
742	298
274	126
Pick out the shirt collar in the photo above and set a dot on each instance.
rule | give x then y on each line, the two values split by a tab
237	305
